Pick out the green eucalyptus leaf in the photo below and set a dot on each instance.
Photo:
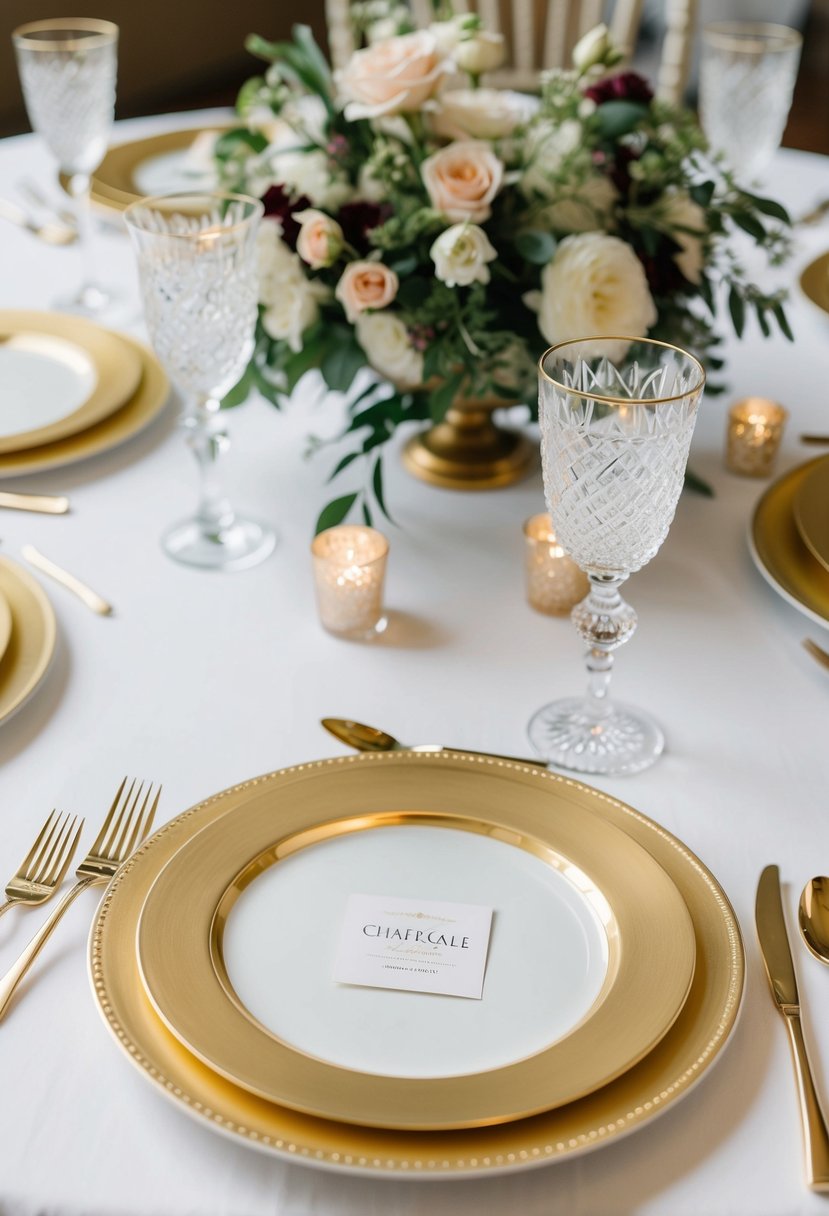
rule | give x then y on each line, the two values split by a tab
442	397
737	308
702	193
341	363
697	484
770	207
782	321
617	118
335	512
348	459
377	486
240	391
750	224
536	247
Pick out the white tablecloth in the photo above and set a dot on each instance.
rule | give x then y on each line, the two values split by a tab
202	680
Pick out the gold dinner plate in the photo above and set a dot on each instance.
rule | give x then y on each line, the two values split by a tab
136	413
31	642
646	932
6	625
114	184
689	1049
116	362
814	282
779	551
811	510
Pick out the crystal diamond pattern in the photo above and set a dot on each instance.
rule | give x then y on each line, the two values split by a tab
70	100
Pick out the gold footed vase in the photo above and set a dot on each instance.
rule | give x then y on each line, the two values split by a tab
467	451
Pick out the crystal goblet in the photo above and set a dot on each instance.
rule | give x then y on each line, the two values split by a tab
616	416
197	266
67	69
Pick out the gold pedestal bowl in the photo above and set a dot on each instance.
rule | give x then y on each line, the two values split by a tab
467	451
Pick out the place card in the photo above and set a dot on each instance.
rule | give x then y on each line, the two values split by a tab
415	945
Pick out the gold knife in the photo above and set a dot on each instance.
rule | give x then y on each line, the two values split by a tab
45	504
777	956
91	598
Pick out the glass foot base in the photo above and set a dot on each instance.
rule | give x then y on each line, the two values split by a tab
568	734
90	301
245	543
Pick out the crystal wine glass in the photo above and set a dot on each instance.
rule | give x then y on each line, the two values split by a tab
67	68
616	415
198	271
747	75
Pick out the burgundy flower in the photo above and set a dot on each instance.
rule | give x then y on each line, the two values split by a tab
627	86
279	204
357	220
618	168
663	275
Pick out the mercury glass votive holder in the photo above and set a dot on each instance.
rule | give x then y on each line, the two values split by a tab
349	572
555	584
755	428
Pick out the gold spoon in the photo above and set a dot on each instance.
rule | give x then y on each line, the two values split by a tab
813	917
370	739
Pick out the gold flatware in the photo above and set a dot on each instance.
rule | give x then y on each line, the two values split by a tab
91	598
369	739
51	232
813	917
43	868
816	213
125	825
817	652
777	956
44	504
819	440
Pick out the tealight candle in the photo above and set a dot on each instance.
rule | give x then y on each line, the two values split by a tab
555	584
755	428
349	570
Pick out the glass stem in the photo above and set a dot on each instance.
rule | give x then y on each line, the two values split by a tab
605	621
207	439
79	189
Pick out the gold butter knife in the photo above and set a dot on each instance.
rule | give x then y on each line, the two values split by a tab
777	956
45	504
89	597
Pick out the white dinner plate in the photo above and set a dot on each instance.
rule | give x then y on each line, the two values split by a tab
44	379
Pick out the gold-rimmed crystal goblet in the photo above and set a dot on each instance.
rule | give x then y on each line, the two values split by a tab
67	69
198	272
616	418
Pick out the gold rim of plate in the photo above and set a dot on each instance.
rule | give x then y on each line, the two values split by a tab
113	184
126	421
676	1064
779	551
6	625
32	640
811	511
814	282
646	924
117	367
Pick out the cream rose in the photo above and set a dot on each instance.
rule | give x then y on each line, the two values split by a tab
548	149
584	207
482	113
385	339
366	285
595	47
463	179
594	286
395	76
461	254
320	241
480	52
681	210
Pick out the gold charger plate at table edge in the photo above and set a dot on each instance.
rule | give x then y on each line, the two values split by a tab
32	642
779	552
814	282
689	1049
647	925
116	362
147	402
6	625
121	160
811	511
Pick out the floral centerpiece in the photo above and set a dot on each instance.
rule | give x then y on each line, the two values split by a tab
443	233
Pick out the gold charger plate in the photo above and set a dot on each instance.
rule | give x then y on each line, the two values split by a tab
779	551
5	625
135	414
811	510
814	282
113	183
116	361
645	922
32	639
689	1049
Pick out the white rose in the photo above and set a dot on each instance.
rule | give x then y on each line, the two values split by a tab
388	347
461	254
595	286
447	34
548	148
583	208
290	298
482	113
680	209
592	48
481	52
310	173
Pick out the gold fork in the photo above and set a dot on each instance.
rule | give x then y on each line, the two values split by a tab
817	652
127	822
43	868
